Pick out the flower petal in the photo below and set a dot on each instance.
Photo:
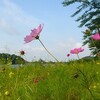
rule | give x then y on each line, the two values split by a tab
28	38
34	34
39	29
96	36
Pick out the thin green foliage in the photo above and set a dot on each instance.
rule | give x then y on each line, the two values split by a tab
76	80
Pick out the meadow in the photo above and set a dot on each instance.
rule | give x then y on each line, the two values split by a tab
73	80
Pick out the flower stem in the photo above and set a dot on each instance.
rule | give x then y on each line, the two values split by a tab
47	50
98	31
86	83
78	56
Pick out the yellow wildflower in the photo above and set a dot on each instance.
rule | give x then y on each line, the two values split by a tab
11	74
98	63
97	72
94	86
7	93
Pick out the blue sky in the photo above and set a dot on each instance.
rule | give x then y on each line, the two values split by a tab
60	33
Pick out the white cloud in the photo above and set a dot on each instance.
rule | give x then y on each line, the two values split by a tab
13	20
63	48
69	43
7	27
29	48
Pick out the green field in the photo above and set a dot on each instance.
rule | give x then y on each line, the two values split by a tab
76	80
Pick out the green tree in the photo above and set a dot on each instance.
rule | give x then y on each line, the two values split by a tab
94	45
89	18
90	11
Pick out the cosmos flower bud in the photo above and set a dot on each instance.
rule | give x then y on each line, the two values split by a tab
87	32
68	55
22	52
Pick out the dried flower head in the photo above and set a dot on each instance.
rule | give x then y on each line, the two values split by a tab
68	55
22	52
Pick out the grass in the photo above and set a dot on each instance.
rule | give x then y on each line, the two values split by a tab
77	80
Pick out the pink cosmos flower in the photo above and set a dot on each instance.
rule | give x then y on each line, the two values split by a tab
34	34
96	36
76	50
